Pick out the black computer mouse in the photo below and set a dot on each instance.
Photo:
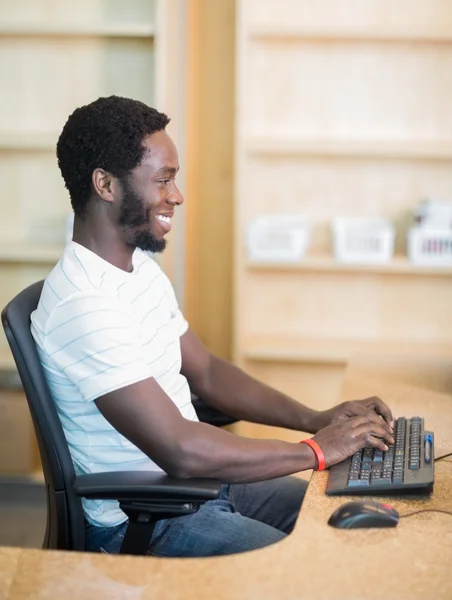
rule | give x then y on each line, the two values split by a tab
364	513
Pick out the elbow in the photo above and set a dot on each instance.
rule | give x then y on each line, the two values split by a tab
179	472
182	469
182	462
191	464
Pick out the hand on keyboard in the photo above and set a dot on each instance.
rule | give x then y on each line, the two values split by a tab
344	437
407	467
352	408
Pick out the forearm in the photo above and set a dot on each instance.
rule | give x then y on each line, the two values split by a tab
144	414
238	395
205	451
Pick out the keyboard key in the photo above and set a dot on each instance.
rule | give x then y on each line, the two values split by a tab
367	455
357	482
378	455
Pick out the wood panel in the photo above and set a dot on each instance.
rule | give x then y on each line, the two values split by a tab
170	96
209	202
349	94
370	19
84	13
348	305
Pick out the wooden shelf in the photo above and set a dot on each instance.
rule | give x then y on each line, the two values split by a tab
28	141
398	266
78	30
300	34
16	252
332	351
270	146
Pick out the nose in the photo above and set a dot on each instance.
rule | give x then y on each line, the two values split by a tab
174	197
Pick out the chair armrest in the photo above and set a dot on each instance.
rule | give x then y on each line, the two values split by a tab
145	485
146	497
210	415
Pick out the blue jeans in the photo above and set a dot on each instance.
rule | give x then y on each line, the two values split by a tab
244	517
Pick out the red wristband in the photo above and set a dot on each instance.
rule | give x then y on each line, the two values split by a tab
317	451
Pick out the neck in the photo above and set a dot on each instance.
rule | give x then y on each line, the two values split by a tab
104	240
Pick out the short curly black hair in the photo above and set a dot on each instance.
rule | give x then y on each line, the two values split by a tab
107	134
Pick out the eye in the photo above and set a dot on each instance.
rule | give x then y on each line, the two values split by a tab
164	181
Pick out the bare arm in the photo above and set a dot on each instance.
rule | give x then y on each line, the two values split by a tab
230	390
145	415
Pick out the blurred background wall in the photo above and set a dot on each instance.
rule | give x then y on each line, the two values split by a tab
342	110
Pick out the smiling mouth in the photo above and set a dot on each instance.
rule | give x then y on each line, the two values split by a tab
165	222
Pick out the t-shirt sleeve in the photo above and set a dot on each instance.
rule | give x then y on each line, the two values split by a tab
94	340
176	313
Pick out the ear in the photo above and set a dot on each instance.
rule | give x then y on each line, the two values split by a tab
104	184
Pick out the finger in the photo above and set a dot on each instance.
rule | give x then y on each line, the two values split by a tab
382	432
377	431
367	440
382	409
370	417
375	442
380	422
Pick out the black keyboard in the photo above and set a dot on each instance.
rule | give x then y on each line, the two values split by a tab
407	467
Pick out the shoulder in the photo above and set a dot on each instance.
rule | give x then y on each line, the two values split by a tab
76	271
82	308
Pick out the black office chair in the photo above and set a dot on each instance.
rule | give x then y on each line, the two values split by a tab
145	497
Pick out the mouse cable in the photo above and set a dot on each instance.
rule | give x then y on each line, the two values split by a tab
424	510
443	456
446	512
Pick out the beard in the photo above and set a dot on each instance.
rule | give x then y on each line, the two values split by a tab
134	220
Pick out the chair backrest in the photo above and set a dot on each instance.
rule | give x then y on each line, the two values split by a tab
65	521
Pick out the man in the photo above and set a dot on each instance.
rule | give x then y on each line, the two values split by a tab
121	360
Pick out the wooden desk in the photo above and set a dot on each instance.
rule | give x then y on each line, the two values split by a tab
413	560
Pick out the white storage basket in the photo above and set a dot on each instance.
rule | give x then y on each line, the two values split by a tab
430	246
358	240
278	238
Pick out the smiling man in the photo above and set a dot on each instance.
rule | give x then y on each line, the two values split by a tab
121	361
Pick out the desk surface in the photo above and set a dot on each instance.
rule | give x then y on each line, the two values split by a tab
414	560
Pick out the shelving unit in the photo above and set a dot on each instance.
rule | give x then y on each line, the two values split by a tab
362	21
400	265
317	350
412	149
12	141
342	110
23	254
295	33
135	30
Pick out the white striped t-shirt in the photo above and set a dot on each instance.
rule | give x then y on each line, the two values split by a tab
98	329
